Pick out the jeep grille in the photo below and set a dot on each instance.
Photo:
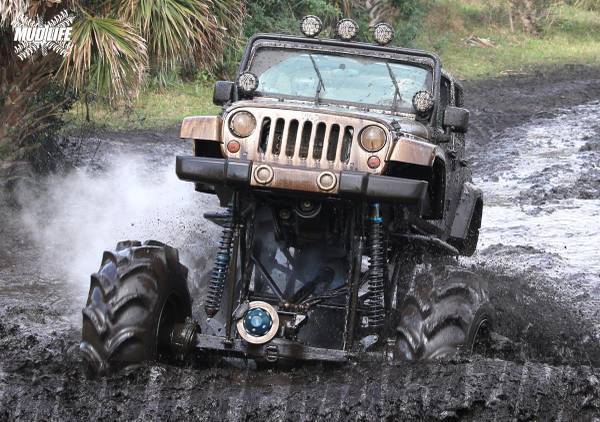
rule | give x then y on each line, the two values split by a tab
306	139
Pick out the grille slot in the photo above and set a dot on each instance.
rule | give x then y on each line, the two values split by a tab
265	129
278	136
290	142
334	136
305	139
319	141
347	143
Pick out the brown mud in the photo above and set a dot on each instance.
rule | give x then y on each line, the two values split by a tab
546	359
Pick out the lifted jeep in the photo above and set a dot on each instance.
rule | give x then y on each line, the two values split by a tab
340	165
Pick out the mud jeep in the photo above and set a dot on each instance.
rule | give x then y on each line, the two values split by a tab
340	169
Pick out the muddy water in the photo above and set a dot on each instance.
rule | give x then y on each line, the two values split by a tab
542	206
543	157
545	291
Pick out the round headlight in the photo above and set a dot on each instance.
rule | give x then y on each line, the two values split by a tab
242	124
372	138
347	29
311	25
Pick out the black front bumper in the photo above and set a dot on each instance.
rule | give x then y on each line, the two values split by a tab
238	173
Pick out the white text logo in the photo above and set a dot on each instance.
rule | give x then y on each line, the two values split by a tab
53	35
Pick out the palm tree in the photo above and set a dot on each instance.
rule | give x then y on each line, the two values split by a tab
115	45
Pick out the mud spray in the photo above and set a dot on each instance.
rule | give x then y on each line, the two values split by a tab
73	218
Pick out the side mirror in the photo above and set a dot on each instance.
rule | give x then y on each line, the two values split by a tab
223	92
456	118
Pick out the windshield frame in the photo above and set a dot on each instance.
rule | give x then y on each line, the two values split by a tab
406	55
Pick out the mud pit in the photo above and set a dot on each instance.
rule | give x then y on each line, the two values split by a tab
538	250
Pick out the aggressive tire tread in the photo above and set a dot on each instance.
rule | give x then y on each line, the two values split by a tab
125	303
441	313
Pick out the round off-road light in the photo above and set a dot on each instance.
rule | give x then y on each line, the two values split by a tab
311	25
242	124
233	147
372	138
263	174
259	324
347	29
423	102
383	33
326	181
247	82
373	162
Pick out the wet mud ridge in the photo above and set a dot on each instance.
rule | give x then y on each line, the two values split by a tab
535	149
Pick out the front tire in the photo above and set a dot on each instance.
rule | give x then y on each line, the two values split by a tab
446	310
135	298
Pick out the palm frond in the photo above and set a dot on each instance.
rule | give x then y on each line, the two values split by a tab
9	9
106	54
183	31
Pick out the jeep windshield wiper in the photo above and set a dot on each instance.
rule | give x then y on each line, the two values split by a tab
397	95
320	85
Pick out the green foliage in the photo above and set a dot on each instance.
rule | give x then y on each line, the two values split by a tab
281	16
107	56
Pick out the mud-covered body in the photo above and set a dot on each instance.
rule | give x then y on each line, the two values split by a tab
330	207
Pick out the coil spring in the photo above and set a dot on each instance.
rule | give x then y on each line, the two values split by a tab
375	280
221	268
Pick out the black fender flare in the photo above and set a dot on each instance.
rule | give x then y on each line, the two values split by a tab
471	201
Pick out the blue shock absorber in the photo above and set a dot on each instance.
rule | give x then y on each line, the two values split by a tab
220	269
375	302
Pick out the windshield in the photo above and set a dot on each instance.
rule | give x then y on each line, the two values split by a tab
339	78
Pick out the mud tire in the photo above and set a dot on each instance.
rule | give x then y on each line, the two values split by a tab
445	311
134	299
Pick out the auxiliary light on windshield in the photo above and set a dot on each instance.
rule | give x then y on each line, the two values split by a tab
347	29
311	25
383	33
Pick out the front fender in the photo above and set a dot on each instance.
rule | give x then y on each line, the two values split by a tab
471	195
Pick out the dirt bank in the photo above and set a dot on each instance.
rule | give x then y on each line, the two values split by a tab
547	362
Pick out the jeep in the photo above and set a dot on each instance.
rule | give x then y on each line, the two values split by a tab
340	169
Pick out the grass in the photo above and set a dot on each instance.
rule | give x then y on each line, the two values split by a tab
153	109
573	37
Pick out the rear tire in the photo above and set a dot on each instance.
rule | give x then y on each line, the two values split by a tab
446	310
135	298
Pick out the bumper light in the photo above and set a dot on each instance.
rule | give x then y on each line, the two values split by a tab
233	147
373	162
